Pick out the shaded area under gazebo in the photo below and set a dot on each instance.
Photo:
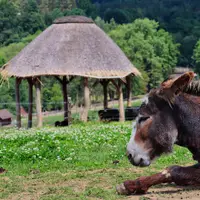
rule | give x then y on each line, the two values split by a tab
72	46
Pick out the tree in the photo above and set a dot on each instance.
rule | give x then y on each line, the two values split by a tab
30	19
51	16
196	56
84	4
75	11
107	27
150	49
119	15
8	21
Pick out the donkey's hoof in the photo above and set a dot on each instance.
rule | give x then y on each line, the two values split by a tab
121	189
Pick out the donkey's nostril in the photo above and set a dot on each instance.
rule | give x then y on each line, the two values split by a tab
129	156
141	160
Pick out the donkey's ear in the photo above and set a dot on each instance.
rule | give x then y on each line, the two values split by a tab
172	87
177	85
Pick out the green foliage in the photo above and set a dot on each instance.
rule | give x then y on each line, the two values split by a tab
8	52
84	4
49	5
180	17
51	16
75	11
7	88
107	27
30	20
151	49
196	56
119	15
7	94
8	21
52	97
87	7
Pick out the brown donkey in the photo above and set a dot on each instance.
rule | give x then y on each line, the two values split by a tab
169	115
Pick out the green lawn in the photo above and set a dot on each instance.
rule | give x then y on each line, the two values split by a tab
73	162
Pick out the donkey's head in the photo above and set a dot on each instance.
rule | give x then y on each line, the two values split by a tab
155	130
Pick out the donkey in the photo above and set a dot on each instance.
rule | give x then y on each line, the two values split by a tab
169	115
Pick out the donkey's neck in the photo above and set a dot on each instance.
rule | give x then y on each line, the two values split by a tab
187	115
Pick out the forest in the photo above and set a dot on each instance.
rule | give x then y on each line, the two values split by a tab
156	35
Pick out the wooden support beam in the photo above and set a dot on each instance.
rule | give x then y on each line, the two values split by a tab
38	102
30	101
18	106
129	94
84	116
64	82
115	84
105	92
65	99
121	100
59	79
121	103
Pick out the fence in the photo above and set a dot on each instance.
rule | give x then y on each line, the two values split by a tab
49	117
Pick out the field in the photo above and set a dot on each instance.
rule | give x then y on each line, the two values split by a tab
83	161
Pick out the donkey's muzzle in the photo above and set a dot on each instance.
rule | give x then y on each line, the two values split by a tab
138	161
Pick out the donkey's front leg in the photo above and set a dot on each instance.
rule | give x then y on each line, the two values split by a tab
142	184
179	175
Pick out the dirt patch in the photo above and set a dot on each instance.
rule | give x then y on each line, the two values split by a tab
76	185
94	184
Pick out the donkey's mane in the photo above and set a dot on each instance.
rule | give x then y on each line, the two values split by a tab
193	88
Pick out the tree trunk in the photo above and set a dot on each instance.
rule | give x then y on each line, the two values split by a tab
86	100
18	107
38	102
65	99
121	102
128	80
30	102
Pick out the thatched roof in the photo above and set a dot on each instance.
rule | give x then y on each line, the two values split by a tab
71	46
5	114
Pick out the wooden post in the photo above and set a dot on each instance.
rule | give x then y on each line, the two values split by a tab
38	102
121	102
65	99
18	107
67	110
129	97
105	92
30	102
86	100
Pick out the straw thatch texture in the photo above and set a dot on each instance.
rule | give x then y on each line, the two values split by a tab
80	49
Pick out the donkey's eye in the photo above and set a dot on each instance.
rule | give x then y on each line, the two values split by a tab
142	119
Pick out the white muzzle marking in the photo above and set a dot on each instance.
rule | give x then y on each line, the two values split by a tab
137	153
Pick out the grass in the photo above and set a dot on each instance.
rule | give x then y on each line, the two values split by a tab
74	162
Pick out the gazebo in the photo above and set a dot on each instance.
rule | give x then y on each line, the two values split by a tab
72	46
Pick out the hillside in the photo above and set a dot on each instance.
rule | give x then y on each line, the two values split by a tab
180	17
151	49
